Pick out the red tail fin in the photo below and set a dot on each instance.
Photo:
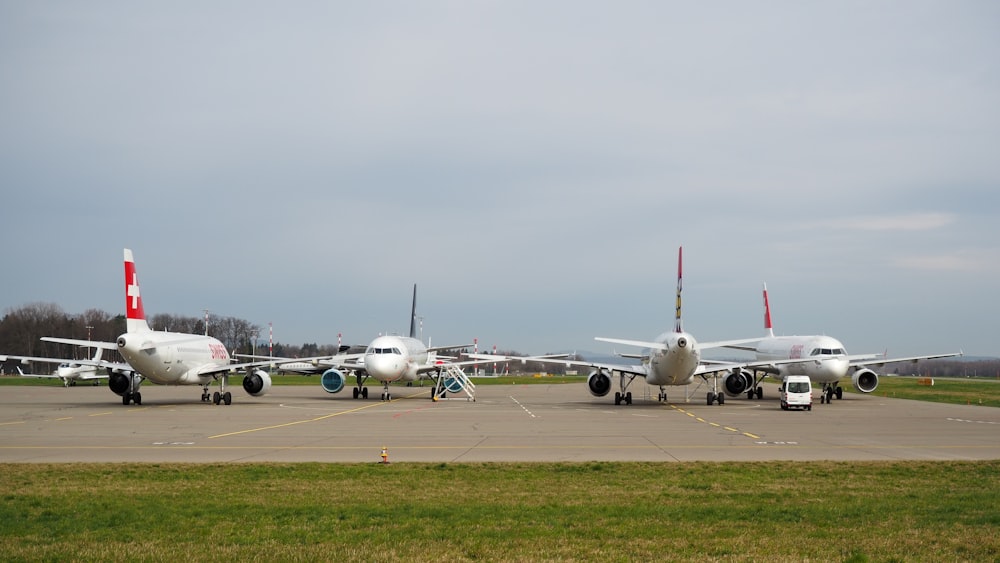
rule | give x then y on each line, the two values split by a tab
135	315
767	314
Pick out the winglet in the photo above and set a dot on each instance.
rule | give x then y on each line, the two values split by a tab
677	318
413	314
135	315
767	314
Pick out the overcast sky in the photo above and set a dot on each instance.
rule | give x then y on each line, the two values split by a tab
532	166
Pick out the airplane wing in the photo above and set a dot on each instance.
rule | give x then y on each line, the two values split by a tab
630	369
639	343
98	364
877	360
661	345
320	364
82	343
456	347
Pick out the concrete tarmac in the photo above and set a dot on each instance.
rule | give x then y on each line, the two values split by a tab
506	423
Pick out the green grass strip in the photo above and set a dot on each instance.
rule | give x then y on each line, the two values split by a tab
780	511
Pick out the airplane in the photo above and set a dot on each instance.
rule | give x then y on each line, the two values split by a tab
169	358
69	371
823	358
387	359
673	358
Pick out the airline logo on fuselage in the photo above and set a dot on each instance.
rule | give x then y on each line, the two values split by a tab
218	352
796	352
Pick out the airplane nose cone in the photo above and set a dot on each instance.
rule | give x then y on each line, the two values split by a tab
383	367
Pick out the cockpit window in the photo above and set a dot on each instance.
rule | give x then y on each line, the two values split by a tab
381	351
827	352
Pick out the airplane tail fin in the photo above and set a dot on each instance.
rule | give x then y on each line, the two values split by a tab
767	315
413	314
135	315
98	352
677	314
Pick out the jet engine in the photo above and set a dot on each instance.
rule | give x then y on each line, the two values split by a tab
738	382
865	380
599	382
257	383
118	383
332	381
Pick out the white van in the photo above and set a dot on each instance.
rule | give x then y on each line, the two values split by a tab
796	393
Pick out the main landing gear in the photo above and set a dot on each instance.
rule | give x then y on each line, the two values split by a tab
131	396
714	397
219	397
828	392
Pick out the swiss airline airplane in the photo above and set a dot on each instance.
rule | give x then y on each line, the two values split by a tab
822	358
387	359
673	358
170	358
69	371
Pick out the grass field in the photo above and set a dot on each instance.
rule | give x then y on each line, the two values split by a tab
784	511
984	392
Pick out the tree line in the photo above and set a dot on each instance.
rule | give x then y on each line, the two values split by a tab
21	329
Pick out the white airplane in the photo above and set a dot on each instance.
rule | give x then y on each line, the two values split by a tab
170	358
823	358
387	359
69	371
673	358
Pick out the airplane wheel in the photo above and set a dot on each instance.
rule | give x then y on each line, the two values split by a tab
364	393
137	398
760	393
750	395
126	398
722	399
628	398
227	398
618	398
356	392
840	393
216	397
711	398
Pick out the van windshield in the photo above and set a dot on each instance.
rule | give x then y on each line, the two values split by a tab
798	387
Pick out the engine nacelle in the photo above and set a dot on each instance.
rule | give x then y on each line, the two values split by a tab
332	381
737	383
865	380
119	383
257	383
599	382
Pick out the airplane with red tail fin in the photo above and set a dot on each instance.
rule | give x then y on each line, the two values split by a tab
823	358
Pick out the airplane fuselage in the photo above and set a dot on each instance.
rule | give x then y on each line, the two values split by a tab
676	363
395	358
827	359
70	372
169	358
